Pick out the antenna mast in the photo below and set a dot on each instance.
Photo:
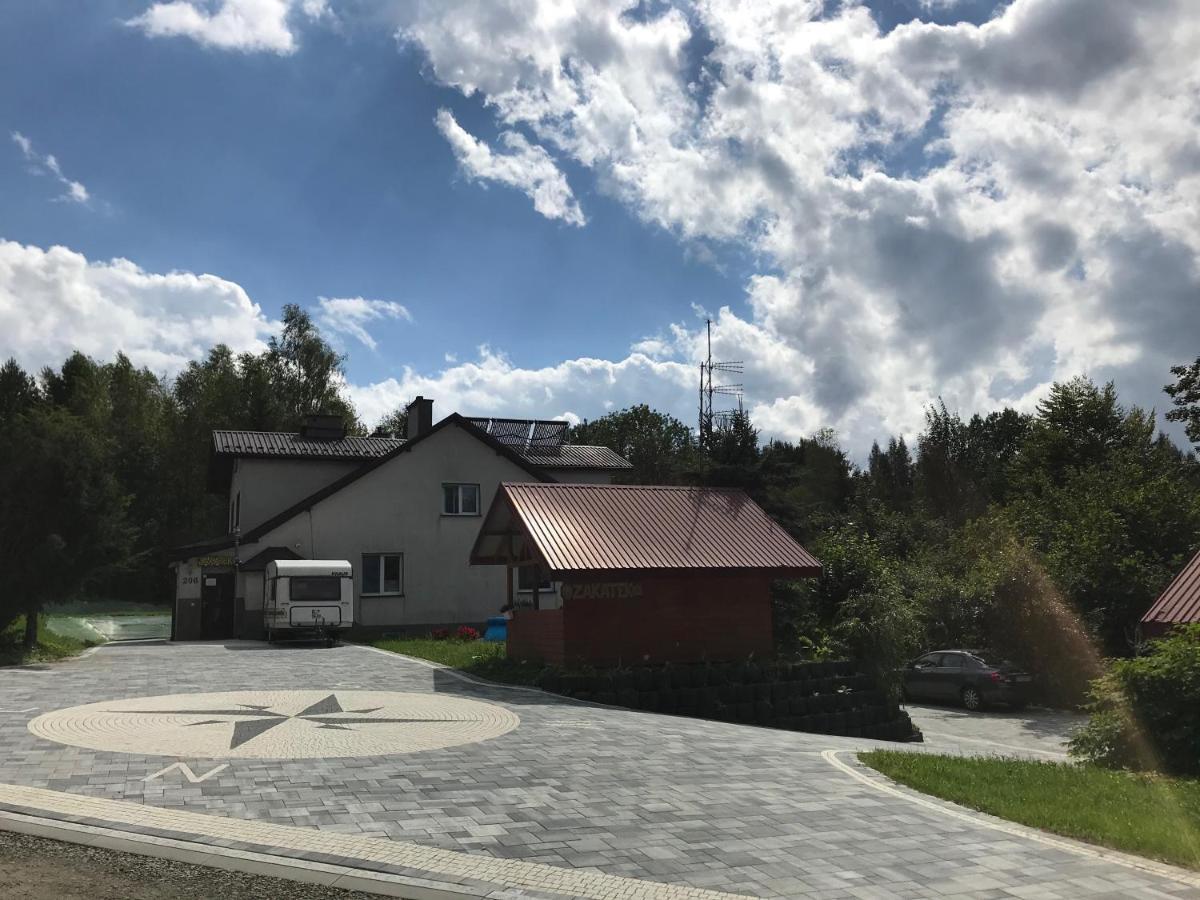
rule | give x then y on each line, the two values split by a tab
707	389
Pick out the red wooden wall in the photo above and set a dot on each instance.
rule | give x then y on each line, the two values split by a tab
536	634
687	618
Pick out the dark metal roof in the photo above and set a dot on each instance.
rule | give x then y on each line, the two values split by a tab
1180	602
200	548
576	456
535	451
594	529
285	445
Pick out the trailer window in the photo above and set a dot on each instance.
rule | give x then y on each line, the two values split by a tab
319	587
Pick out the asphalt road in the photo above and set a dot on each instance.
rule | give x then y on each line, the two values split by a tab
1033	732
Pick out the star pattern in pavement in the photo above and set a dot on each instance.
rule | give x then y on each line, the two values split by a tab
250	721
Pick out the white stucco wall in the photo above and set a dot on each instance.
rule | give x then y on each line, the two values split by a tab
252	586
269	486
397	508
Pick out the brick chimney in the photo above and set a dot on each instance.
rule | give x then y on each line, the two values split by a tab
420	417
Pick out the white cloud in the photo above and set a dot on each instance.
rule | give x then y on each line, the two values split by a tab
351	315
526	167
243	25
55	301
492	385
960	211
48	164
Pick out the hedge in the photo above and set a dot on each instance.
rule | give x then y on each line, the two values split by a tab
829	697
1145	712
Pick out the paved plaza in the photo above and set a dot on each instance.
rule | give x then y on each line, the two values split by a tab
353	758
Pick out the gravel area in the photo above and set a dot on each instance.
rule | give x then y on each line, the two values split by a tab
34	868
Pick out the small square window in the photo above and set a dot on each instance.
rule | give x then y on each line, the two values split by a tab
460	499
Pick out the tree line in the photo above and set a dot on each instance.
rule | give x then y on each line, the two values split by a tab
1044	535
103	466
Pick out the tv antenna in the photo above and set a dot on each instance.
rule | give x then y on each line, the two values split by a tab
709	417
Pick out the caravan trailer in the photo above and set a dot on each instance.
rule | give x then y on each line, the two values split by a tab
308	598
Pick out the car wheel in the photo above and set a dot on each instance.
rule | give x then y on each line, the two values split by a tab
972	699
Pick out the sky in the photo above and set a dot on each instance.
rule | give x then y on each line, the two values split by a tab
530	207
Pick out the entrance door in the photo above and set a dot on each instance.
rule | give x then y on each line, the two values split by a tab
216	606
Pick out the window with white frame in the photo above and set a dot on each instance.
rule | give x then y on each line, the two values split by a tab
460	499
382	574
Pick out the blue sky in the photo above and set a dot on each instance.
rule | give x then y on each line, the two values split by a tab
319	174
317	170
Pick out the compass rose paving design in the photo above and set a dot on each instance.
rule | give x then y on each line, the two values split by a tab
277	724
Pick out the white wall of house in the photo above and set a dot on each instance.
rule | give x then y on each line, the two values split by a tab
397	508
252	585
269	486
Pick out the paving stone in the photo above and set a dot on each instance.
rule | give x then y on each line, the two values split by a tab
673	802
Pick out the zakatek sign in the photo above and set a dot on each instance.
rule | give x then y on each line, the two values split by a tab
602	590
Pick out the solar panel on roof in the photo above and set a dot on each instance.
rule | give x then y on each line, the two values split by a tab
548	435
524	433
510	432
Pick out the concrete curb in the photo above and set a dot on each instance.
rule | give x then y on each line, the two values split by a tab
200	854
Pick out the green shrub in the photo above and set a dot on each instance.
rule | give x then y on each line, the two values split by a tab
1145	712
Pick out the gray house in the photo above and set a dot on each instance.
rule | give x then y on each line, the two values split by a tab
404	512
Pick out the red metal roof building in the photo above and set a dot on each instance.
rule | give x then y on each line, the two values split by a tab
648	574
1179	604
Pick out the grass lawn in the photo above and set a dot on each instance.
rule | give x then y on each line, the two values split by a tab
50	645
1152	816
483	658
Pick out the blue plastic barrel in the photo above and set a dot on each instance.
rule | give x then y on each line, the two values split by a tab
497	629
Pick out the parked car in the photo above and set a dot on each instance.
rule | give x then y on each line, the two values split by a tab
974	678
